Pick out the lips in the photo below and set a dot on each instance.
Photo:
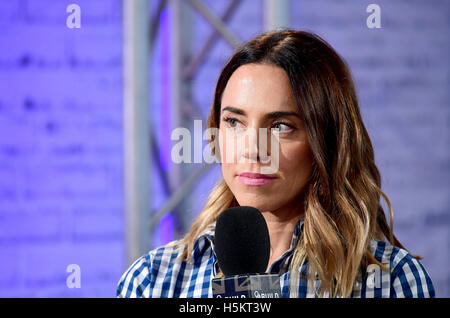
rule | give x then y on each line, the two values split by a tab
255	179
252	175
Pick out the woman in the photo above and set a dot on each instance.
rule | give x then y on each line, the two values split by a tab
328	232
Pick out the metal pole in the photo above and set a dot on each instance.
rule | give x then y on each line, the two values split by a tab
195	62
276	14
216	22
136	127
181	193
176	89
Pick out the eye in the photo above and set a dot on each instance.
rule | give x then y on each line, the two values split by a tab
281	127
232	122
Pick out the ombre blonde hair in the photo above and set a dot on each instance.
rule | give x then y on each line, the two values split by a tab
342	204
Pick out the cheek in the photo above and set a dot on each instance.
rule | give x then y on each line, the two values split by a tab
225	146
296	160
227	155
231	145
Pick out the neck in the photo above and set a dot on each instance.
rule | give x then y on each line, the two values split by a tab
281	224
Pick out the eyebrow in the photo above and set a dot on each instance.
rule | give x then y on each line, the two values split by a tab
277	114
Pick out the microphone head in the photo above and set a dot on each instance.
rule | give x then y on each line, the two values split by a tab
241	241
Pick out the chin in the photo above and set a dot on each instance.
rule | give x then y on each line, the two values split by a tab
261	205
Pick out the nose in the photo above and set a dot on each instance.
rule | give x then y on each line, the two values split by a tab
256	145
251	151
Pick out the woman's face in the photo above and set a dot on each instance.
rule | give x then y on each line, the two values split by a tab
260	96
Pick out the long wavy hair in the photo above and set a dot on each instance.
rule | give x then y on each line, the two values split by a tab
342	199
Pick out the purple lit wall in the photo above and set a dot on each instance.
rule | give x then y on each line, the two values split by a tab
61	136
61	144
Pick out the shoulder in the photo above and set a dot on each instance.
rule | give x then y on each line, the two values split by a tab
137	279
408	277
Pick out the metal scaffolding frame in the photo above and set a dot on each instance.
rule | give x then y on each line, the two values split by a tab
140	146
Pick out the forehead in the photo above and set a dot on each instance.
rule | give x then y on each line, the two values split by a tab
259	88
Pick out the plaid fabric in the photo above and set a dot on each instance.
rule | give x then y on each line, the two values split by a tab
160	274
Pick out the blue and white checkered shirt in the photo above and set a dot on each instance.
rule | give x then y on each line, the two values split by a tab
160	274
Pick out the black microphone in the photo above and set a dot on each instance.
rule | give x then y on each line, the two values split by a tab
242	247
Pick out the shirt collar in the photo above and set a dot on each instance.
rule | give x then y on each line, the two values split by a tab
281	265
206	239
297	234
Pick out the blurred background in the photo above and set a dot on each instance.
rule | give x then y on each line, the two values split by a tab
90	92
